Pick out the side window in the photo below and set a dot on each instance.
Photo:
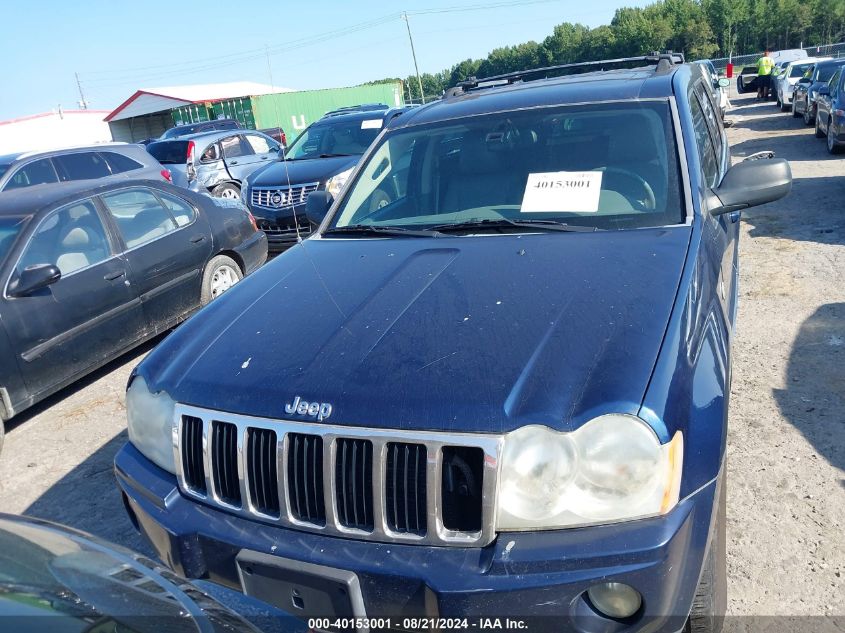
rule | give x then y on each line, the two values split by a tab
711	117
139	215
120	163
72	238
38	172
81	166
181	211
259	144
210	153
834	84
706	154
234	146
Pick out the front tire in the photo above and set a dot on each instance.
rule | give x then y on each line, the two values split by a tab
832	146
795	112
221	273
711	597
809	117
819	133
226	190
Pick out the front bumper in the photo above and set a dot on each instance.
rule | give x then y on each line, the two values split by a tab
280	226
539	577
253	252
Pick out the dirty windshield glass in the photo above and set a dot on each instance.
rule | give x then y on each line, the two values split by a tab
608	166
338	138
9	229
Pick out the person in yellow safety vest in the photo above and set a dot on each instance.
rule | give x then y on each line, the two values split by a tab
764	75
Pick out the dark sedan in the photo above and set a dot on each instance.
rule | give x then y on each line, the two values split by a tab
830	112
805	97
90	272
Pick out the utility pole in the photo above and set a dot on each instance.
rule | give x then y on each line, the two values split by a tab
83	104
414	55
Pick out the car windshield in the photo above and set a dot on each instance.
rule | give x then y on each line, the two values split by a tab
169	152
799	70
10	227
607	166
179	130
826	72
333	138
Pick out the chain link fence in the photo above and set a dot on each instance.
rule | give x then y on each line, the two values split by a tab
825	50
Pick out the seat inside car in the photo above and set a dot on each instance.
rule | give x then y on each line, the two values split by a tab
79	246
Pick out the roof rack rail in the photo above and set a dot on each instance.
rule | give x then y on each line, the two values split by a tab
663	61
362	107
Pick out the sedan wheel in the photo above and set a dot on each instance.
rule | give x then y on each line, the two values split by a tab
795	112
832	145
808	115
221	273
819	133
226	190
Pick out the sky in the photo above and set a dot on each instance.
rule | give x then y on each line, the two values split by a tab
118	47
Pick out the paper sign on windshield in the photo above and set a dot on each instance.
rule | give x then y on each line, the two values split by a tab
371	124
562	191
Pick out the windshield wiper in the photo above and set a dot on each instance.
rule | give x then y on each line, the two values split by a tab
504	223
335	155
371	229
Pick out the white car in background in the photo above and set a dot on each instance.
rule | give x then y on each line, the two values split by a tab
785	83
718	85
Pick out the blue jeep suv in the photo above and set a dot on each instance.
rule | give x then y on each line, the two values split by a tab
502	396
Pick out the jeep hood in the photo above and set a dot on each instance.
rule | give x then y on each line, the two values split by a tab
476	333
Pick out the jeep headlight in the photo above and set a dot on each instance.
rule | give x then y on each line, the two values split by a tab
150	421
336	182
613	468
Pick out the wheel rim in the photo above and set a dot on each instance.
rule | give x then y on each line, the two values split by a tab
228	193
222	279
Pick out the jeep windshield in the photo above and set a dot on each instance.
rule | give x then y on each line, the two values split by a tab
335	138
605	166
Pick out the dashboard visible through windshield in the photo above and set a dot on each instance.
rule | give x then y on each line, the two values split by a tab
605	166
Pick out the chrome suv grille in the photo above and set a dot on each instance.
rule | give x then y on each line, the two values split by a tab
375	484
281	198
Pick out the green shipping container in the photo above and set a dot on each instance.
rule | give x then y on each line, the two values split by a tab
294	111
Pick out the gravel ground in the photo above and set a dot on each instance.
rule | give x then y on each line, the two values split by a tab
786	490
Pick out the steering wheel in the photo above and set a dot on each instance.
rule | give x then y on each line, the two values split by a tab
650	201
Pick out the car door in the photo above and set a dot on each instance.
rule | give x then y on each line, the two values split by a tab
167	242
87	317
826	101
238	155
713	148
265	148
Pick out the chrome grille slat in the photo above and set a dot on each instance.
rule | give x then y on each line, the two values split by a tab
258	482
287	196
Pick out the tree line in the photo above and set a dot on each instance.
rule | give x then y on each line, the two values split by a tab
698	28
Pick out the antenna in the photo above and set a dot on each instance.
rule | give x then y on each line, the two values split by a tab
414	55
83	104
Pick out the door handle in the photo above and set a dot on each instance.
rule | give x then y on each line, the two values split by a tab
115	275
233	162
196	239
264	158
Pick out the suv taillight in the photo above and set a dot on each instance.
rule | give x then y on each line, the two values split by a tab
190	170
165	173
284	139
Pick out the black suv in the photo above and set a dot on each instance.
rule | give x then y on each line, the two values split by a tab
321	158
493	384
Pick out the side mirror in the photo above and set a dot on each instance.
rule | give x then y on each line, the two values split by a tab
824	90
751	183
317	204
724	83
34	278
